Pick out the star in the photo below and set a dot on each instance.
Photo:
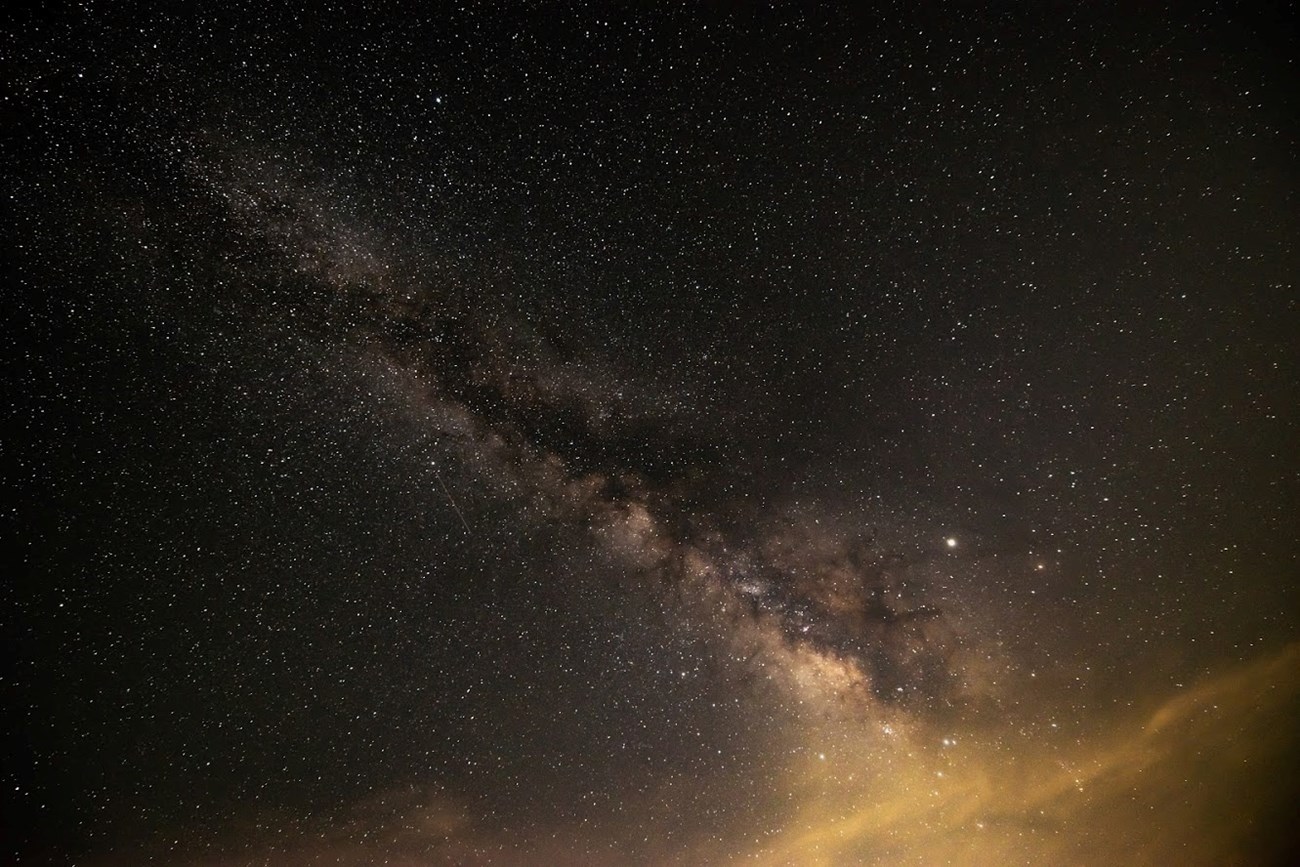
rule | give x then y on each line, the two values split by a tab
557	477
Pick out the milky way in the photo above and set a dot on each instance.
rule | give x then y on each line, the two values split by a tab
568	436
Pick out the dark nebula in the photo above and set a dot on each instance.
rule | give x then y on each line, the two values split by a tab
606	435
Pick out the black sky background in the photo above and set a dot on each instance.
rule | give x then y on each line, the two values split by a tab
286	284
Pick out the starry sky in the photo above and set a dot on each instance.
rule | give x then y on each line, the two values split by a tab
639	434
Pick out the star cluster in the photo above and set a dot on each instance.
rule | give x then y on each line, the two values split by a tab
597	435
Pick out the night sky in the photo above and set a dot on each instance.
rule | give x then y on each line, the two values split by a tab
632	435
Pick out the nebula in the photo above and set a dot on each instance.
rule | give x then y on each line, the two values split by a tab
605	437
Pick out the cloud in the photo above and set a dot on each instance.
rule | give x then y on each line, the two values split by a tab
896	753
1184	782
